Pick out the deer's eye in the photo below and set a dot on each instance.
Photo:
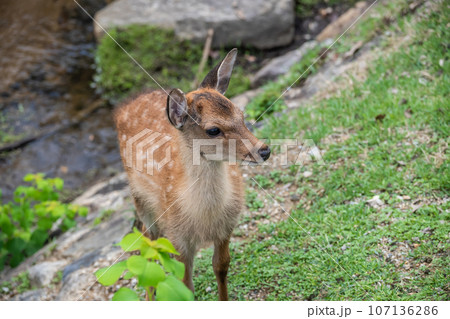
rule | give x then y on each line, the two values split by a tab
213	131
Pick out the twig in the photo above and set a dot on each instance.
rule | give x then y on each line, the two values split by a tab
206	50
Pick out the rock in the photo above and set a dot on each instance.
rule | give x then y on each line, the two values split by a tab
243	99
339	26
76	284
41	275
85	261
263	24
31	295
307	174
427	230
375	201
105	195
281	65
106	233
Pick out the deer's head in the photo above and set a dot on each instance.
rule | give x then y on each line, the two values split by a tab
211	124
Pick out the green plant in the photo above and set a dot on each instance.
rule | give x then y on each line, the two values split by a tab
104	215
157	273
252	201
262	181
18	284
57	278
26	222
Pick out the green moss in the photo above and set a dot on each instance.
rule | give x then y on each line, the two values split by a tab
170	61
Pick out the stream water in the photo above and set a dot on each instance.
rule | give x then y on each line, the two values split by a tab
46	63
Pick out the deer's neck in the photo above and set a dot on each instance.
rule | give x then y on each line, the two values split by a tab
209	176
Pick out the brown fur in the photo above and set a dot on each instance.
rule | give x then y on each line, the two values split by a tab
189	204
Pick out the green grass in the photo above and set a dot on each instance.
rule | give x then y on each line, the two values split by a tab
18	284
339	250
171	62
104	215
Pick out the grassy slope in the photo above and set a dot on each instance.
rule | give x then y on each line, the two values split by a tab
404	154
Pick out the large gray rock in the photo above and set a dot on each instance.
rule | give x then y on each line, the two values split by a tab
281	65
260	23
42	274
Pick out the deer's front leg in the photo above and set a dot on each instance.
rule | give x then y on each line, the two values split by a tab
221	262
188	261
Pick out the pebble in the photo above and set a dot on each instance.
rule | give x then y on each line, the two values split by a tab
307	174
375	201
208	289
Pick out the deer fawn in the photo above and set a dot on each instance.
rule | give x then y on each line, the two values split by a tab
191	203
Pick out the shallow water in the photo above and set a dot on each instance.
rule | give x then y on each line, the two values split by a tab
46	58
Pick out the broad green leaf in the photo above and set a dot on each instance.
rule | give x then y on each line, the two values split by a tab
82	211
5	224
171	265
44	223
109	275
125	294
38	237
16	245
163	244
148	242
136	264
59	183
136	231
68	223
152	275
172	289
16	259
148	252
128	275
131	242
29	178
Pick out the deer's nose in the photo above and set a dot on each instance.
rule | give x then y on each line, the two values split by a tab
264	153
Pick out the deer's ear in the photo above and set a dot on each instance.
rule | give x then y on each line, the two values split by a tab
177	108
219	77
